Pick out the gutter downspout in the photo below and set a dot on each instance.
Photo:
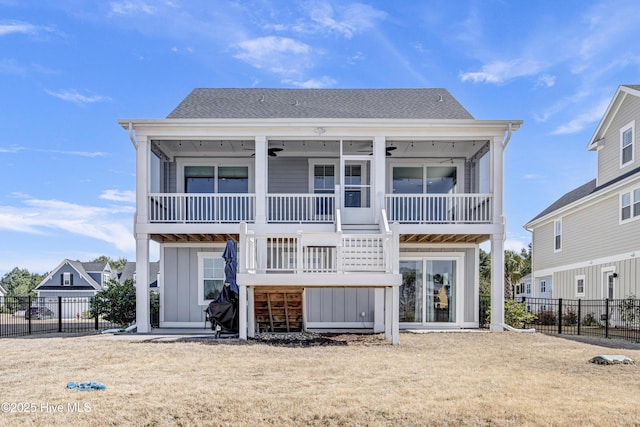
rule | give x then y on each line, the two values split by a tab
520	331
135	143
507	138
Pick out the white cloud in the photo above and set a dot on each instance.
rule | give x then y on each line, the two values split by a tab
515	245
345	20
280	55
131	8
38	216
546	80
323	82
74	96
501	71
16	27
119	196
584	119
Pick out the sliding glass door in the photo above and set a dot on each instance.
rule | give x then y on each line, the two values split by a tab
430	290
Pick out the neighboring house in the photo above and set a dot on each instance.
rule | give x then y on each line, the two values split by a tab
75	281
523	289
587	244
3	293
360	208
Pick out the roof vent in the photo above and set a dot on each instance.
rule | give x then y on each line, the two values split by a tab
440	98
261	98
295	103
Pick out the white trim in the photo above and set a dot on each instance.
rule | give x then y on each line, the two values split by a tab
584	285
214	162
632	127
339	325
604	288
632	202
312	162
556	223
201	257
589	263
459	257
199	325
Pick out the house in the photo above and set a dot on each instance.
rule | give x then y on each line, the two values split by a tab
77	282
586	245
523	289
3	293
350	208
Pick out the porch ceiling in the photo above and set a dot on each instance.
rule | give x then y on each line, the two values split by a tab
444	238
194	238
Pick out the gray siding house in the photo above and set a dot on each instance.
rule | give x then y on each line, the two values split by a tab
587	243
356	208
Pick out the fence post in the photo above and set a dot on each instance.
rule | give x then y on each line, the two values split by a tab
606	317
29	313
559	316
59	314
96	318
579	315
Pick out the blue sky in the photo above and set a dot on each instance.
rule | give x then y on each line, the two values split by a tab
69	69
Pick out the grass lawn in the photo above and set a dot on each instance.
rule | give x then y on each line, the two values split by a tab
429	379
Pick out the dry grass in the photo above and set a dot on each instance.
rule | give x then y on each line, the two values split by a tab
430	379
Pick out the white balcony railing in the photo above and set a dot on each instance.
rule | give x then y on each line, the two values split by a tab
301	208
439	208
287	254
201	208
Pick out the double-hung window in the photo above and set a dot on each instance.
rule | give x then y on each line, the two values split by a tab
627	144
557	234
210	276
580	285
630	205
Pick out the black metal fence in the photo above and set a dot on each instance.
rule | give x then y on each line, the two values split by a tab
608	318
21	316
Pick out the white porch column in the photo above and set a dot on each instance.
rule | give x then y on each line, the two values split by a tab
242	306
143	178
497	282
261	179
388	311
142	283
378	311
378	174
497	240
395	315
251	321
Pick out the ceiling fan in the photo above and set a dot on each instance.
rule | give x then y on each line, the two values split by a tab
273	152
388	151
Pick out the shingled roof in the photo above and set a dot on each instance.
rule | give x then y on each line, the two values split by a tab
253	103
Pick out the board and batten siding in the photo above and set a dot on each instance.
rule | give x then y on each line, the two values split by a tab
590	233
288	175
179	298
609	155
627	283
339	305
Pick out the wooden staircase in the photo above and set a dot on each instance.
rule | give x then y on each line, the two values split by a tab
278	309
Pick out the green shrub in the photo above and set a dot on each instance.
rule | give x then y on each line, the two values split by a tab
515	314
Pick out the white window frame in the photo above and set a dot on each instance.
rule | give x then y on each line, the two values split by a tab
66	278
527	288
201	257
557	233
580	278
634	199
181	163
629	127
324	162
543	286
425	166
